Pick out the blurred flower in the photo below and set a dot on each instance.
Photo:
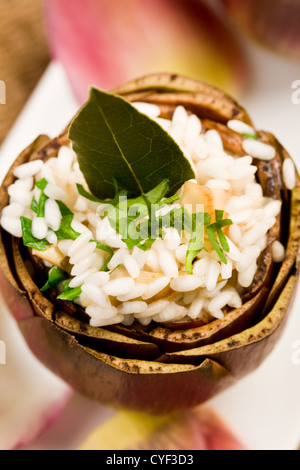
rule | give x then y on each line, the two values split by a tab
273	24
31	397
198	429
107	42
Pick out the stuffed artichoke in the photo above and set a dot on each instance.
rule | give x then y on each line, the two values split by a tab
150	252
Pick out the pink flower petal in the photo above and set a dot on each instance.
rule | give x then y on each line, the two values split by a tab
31	397
105	43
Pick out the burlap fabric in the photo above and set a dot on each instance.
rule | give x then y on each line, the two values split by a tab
24	55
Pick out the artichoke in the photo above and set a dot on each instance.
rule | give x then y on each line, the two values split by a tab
160	367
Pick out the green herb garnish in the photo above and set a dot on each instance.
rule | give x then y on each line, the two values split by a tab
55	276
66	231
28	239
250	136
39	206
68	293
126	217
217	237
92	198
196	242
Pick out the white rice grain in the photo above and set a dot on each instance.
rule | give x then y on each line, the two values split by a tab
39	228
135	306
53	215
234	233
200	149
186	283
64	162
155	287
118	258
12	225
219	314
99	321
237	204
151	110
140	256
96	294
28	169
77	281
13	210
152	260
51	237
128	320
253	235
254	191
131	266
64	246
278	252
272	209
192	129
136	292
218	184
164	123
168	264
226	269
248	256
98	278
153	308
245	277
200	267
98	313
234	253
289	173
212	275
181	253
195	309
25	183
219	301
53	191
84	264
170	313
172	239
79	244
240	127
119	286
83	251
20	195
258	149
81	204
242	217
213	138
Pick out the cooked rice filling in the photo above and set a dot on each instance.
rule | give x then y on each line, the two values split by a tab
116	284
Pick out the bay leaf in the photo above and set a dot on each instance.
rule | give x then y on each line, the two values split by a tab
115	142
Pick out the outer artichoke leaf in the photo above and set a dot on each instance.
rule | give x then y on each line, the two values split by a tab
233	322
292	248
243	352
200	97
41	305
14	297
123	382
101	339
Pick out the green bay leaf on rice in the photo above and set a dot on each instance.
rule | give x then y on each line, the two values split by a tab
115	142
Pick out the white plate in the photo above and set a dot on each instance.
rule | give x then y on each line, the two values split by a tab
264	408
